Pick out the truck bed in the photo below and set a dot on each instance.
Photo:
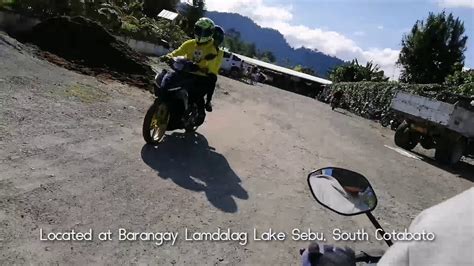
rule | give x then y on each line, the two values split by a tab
444	114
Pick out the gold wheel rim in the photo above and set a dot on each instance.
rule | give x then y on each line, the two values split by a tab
159	122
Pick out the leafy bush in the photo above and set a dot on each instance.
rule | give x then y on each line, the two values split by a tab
463	81
360	96
466	89
129	21
460	77
354	72
122	17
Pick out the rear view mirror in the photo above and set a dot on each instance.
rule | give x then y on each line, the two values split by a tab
342	191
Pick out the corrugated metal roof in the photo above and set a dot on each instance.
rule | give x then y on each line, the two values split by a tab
284	70
166	14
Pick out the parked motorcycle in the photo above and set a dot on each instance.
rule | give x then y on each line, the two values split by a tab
369	111
172	109
386	118
390	119
347	193
395	122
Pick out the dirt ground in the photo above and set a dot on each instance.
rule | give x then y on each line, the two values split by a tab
72	157
82	45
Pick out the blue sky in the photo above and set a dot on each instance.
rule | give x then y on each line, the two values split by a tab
363	29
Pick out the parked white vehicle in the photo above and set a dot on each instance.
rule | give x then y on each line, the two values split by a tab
232	65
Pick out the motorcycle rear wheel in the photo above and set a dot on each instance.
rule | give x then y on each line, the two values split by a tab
155	123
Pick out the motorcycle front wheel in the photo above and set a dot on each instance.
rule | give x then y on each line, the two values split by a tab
155	123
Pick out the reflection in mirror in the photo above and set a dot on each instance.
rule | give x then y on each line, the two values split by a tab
343	191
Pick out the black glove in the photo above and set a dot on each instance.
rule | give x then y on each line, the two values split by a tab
192	67
166	59
208	107
327	255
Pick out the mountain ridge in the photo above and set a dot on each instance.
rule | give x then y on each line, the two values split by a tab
267	39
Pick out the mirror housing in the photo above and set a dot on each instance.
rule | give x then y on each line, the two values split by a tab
342	191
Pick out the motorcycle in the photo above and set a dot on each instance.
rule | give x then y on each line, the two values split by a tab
386	119
390	119
395	123
347	193
369	111
172	109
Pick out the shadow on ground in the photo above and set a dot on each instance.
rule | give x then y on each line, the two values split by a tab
189	162
462	169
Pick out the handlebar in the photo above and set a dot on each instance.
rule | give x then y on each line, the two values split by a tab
186	65
365	257
362	256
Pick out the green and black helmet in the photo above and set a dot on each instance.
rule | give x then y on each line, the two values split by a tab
203	30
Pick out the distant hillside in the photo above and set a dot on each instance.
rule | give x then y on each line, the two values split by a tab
271	40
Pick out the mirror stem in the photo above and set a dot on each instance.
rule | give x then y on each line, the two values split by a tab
378	226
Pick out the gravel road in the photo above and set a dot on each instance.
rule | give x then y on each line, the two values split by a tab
72	157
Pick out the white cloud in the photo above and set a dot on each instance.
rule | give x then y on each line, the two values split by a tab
255	9
359	33
456	3
380	27
326	41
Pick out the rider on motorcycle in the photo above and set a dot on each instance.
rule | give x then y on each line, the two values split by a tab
205	56
218	40
336	98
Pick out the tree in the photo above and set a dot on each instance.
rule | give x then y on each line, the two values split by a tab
433	49
233	33
234	43
305	70
354	72
250	50
267	57
192	13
